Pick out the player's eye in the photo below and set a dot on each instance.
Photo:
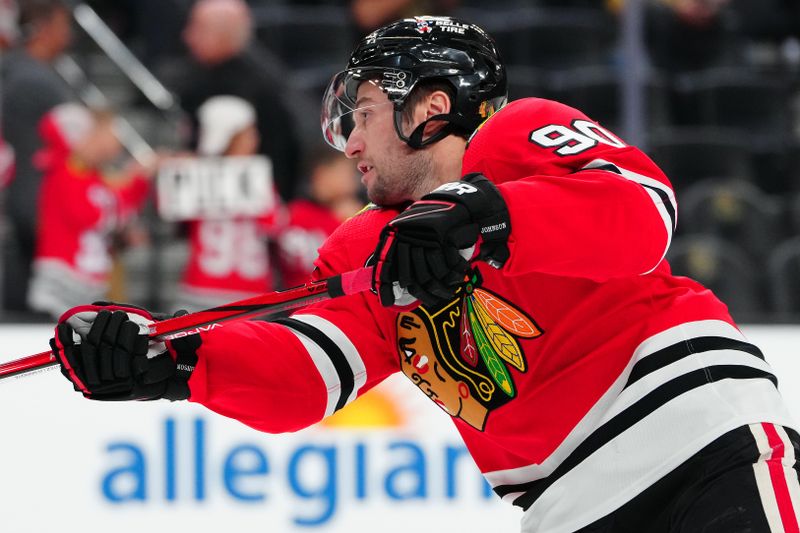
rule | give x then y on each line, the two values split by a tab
360	118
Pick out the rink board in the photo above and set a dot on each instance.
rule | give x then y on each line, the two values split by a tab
67	464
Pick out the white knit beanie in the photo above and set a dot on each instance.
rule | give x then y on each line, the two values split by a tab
220	118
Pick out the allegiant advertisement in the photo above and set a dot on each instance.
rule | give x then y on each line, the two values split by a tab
389	462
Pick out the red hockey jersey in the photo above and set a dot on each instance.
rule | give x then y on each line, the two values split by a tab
77	213
308	226
228	261
578	375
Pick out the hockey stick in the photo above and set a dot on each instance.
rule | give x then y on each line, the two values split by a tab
345	284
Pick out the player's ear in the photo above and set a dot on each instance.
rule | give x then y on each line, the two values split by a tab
437	103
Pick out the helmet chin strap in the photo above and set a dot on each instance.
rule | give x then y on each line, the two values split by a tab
455	124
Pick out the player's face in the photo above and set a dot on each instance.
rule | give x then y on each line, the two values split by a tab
392	172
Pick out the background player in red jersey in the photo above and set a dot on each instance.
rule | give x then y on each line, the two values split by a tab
81	206
521	286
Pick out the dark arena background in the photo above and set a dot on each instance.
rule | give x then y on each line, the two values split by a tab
211	182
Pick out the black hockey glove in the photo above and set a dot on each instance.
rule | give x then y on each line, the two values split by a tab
425	251
104	350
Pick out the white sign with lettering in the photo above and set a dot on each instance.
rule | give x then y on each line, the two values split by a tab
215	188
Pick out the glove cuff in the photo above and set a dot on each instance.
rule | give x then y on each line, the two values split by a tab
488	209
184	352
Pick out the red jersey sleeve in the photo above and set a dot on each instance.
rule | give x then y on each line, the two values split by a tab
131	196
286	375
582	202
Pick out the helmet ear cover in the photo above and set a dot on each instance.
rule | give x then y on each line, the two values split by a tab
454	123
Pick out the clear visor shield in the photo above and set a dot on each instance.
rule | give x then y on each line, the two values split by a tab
339	108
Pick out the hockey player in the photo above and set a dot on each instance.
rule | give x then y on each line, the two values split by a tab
593	389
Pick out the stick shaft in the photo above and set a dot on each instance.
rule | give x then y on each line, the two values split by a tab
27	365
345	284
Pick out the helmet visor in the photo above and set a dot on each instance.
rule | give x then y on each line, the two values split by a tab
339	104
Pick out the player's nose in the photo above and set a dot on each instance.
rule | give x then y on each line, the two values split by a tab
354	146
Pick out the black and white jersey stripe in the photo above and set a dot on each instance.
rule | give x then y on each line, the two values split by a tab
663	196
683	388
336	358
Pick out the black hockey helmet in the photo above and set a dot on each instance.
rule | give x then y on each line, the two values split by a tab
400	56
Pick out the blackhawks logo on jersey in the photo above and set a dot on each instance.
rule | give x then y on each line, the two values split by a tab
463	354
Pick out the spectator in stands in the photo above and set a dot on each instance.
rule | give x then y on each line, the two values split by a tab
218	34
80	207
331	197
228	258
30	89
